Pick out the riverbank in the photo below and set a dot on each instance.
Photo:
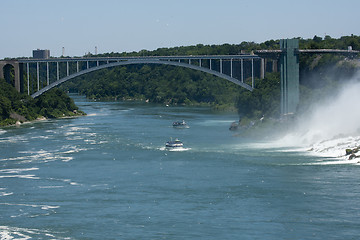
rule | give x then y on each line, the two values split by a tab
18	123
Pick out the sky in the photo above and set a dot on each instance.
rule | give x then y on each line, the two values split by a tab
80	26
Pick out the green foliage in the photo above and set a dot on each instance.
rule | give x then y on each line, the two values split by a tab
5	107
263	100
156	83
53	104
331	43
10	99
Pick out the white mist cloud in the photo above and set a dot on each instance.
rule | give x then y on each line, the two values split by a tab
336	117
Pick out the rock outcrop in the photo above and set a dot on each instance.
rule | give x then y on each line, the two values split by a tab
352	153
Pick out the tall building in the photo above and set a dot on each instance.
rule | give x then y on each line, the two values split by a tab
38	53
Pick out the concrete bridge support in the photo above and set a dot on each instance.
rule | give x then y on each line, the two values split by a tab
274	65
289	60
264	66
5	73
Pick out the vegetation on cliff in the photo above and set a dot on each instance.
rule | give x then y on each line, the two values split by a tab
16	107
157	84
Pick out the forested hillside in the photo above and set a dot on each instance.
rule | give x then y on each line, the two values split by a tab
157	84
16	107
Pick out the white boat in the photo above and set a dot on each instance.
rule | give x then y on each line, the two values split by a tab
174	144
180	124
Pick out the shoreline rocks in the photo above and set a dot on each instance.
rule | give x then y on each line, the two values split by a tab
352	153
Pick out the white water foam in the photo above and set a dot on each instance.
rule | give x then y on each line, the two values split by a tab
28	176
14	139
331	127
90	141
16	173
49	187
18	170
32	210
17	233
180	149
40	137
44	207
211	122
2	194
74	130
67	181
47	156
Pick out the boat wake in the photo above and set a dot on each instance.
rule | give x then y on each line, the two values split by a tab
179	149
8	232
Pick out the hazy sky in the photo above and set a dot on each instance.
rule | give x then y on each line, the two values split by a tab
133	25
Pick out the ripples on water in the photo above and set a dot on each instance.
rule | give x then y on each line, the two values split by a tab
108	176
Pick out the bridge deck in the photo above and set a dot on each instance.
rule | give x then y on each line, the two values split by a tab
164	58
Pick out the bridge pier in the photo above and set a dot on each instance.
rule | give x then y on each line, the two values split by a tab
274	65
262	68
5	73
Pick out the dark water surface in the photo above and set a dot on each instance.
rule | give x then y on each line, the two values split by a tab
108	176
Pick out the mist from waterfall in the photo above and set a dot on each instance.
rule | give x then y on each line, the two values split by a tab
331	125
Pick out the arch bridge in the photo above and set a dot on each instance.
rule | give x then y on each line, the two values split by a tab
228	67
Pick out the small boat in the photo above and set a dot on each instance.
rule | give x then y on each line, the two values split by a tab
174	144
180	124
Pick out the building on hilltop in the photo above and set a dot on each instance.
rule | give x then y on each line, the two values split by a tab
38	53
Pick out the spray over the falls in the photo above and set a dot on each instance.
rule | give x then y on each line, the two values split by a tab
331	125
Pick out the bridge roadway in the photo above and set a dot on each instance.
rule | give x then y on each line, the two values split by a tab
168	58
107	62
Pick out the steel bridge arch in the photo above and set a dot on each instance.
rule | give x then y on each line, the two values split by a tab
141	61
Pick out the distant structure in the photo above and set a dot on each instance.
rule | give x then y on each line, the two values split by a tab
41	54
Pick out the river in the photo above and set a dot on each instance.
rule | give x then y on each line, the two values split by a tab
107	175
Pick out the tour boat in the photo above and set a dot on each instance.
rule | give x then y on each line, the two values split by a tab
180	124
174	144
